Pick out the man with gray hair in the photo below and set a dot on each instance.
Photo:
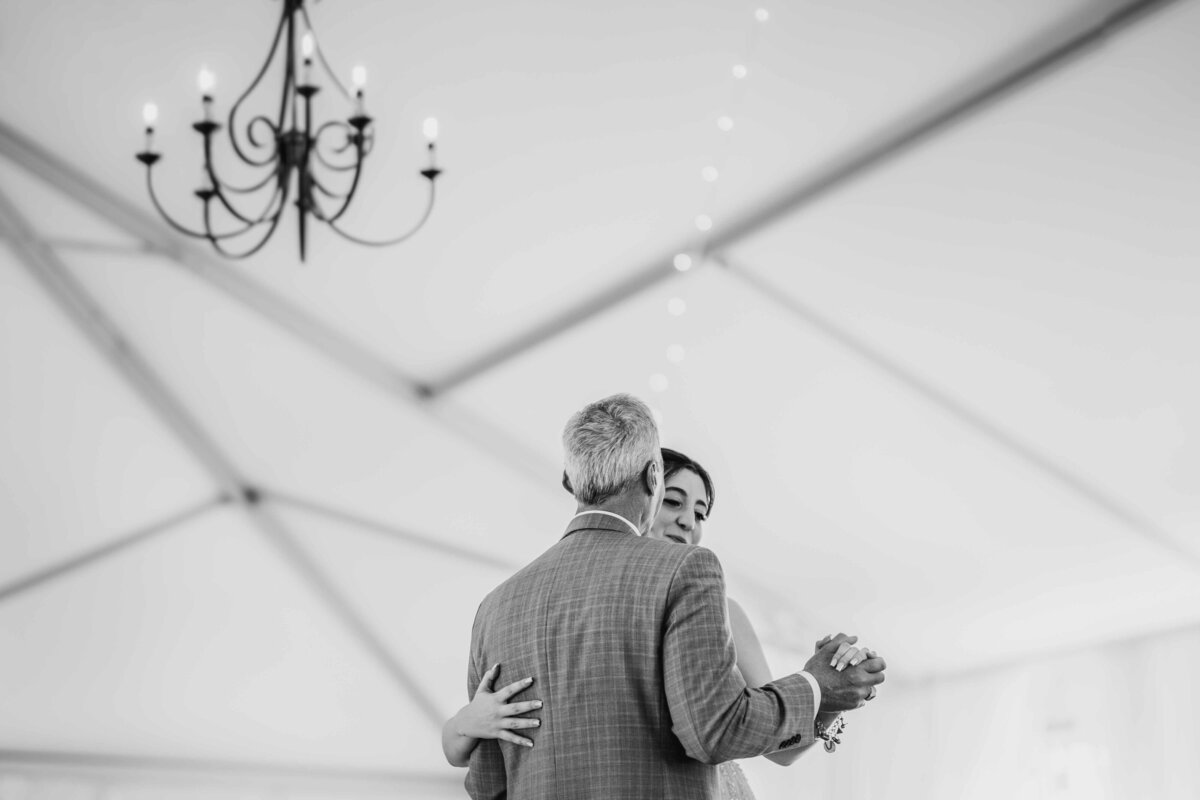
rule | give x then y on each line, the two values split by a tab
628	644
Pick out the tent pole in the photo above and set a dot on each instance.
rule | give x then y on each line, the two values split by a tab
48	270
390	531
1023	452
1032	61
295	321
98	554
89	763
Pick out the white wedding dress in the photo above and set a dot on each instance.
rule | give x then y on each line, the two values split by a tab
734	785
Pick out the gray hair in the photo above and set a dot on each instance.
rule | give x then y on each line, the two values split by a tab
606	444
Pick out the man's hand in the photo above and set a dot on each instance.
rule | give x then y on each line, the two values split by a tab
850	687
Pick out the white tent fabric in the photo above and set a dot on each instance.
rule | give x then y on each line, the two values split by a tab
949	403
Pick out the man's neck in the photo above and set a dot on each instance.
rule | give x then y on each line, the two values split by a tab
632	508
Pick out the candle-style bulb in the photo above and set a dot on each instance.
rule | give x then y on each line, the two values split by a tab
149	116
206	80
307	45
359	78
431	129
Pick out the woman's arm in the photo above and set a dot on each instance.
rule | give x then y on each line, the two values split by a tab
489	715
753	664
457	746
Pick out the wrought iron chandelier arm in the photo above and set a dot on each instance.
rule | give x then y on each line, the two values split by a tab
318	211
314	206
398	239
272	162
261	242
224	251
273	208
249	189
253	85
325	190
186	231
267	210
368	143
217	188
358	162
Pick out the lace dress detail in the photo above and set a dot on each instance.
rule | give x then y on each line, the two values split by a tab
734	785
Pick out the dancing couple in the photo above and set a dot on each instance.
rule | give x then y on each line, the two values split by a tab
639	678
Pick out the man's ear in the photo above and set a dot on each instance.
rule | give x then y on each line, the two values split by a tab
567	483
652	477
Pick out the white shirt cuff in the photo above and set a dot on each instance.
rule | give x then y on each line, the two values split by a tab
816	692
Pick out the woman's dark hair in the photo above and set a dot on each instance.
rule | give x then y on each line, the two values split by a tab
674	461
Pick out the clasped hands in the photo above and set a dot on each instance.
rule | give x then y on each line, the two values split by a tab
846	674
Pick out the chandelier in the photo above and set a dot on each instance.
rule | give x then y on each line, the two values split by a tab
322	164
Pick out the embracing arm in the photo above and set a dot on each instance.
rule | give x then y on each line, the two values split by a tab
714	714
489	715
456	745
753	663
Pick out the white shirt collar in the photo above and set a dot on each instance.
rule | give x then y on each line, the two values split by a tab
632	527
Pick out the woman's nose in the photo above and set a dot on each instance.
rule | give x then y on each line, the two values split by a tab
686	522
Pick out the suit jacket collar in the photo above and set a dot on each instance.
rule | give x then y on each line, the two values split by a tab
597	521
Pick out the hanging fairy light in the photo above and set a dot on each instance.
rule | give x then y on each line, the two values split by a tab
703	222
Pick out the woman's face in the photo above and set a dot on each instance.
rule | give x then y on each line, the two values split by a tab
684	509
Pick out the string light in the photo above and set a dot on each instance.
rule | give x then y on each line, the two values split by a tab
709	173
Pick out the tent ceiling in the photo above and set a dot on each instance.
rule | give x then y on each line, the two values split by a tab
950	402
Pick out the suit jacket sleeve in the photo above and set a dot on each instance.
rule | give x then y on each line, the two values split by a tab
715	716
486	777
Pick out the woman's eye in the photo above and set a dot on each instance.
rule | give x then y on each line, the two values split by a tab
669	501
701	517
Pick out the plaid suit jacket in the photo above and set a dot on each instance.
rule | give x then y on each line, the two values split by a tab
628	642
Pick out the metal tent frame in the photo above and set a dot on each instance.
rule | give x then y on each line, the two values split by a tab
1034	61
